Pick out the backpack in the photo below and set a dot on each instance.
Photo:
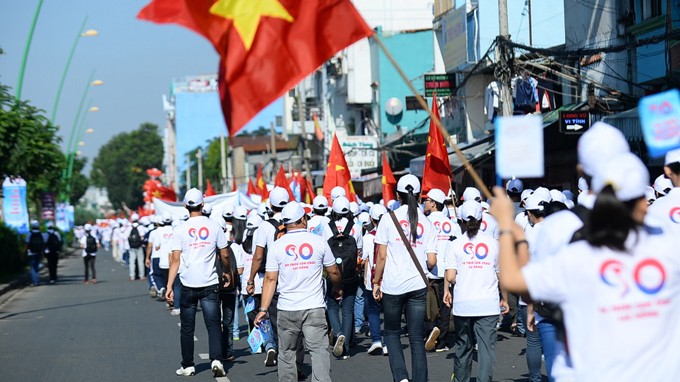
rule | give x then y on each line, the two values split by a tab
235	283
135	239
53	243
344	247
279	231
90	244
36	242
247	244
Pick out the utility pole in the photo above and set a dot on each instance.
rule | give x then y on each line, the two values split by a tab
272	137
223	160
306	153
503	71
199	157
531	37
188	171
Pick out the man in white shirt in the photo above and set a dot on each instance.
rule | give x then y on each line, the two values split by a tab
296	262
154	255
134	237
317	222
194	245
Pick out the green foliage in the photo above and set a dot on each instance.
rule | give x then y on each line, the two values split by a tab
79	182
122	162
84	215
11	261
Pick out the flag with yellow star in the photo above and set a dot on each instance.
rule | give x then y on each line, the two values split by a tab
266	46
337	172
437	172
389	183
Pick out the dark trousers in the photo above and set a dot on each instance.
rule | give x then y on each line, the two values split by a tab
89	265
228	304
210	304
52	262
445	313
484	330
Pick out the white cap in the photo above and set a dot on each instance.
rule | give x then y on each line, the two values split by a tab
88	226
598	145
145	220
662	184
292	212
408	181
341	205
364	218
582	184
471	209
228	210
570	204
354	207
525	194
543	193
193	197
437	195
485	206
185	216
134	217
240	213
672	157
167	218
649	193
254	220
534	203
515	186
262	210
390	204
337	192
207	209
377	211
472	193
557	196
35	224
278	197
320	202
568	194
626	174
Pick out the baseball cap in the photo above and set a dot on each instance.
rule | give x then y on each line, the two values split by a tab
167	218
557	196
515	186
88	227
207	209
534	203
292	212
662	184
320	202
240	213
337	192
568	194
228	210
672	157
145	220
278	197
649	193
437	195
525	194
471	209
407	182
364	218
485	206
543	193
582	184
134	217
193	197
377	211
185	216
262	210
254	220
472	193
391	204
341	205
354	207
598	145
626	174
35	224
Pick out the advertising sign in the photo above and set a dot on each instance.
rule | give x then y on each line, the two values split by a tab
360	152
48	207
442	84
660	119
574	122
519	147
14	206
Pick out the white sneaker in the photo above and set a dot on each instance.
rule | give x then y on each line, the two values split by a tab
217	369
153	292
161	294
339	347
375	349
174	312
384	350
432	339
271	358
186	371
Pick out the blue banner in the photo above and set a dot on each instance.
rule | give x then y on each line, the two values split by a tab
15	210
660	119
65	217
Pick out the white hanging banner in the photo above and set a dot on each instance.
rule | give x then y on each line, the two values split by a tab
519	147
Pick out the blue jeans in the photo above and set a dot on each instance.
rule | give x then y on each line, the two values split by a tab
345	328
359	306
393	306
34	265
374	308
155	274
210	304
533	351
177	291
548	332
228	303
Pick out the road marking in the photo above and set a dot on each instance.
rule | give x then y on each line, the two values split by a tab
222	379
204	356
195	339
179	324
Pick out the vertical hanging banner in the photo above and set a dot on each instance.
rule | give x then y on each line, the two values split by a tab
519	147
660	119
48	212
14	206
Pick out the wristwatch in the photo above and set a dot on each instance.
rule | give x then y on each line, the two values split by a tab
263	310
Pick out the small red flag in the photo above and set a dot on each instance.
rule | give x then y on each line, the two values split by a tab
165	193
337	172
437	172
317	128
310	191
266	47
233	185
209	190
282	181
388	180
251	188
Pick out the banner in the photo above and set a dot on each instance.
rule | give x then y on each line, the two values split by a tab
48	206
65	217
14	206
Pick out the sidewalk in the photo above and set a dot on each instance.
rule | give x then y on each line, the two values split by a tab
23	280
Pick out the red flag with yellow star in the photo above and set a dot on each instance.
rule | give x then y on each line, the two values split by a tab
437	172
266	46
282	181
337	172
251	188
261	185
389	183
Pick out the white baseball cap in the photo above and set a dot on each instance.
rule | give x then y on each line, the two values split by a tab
582	184
472	193
292	212
354	207
254	220
626	174
167	218
35	224
672	157
557	196
471	209
185	216
543	193
240	213
437	195
320	202
364	218
337	192
278	197
649	193
525	194
534	203
408	181
515	186
88	226
193	197
341	205
598	145
262	210
145	220
377	211
134	217
485	206
228	210
390	204
662	184
207	209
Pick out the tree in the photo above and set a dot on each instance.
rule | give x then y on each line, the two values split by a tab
79	182
122	162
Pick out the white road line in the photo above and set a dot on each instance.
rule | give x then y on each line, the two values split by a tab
195	339
179	324
204	356
222	379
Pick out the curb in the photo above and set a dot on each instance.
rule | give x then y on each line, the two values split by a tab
22	280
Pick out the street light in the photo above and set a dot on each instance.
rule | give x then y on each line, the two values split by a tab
20	82
93	109
97	83
81	143
89	33
89	131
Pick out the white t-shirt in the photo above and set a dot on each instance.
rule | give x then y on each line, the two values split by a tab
316	224
156	239
367	256
299	257
522	220
247	266
83	243
665	212
489	225
340	225
556	232
476	263
401	275
264	236
198	238
619	308
166	245
445	228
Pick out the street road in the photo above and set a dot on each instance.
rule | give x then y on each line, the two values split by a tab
113	331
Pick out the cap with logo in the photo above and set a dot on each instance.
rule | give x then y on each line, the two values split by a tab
408	182
471	209
278	197
292	212
193	197
437	195
627	175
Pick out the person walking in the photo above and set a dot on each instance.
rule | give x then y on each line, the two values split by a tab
135	238
52	250
36	242
369	260
295	262
398	282
194	247
90	244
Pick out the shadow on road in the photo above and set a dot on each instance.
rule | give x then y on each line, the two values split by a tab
12	315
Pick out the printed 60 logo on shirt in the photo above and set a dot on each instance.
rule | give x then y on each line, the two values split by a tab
202	233
445	228
649	276
406	227
305	251
480	251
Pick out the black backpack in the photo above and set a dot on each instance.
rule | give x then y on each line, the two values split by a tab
280	230
90	244
235	283
135	239
344	247
53	243
36	242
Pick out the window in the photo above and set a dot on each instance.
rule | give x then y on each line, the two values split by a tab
651	8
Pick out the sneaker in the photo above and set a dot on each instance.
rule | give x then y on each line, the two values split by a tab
384	350
375	349
440	349
217	369
236	337
174	312
161	294
94	281
432	339
153	292
271	358
339	346
186	371
301	375
346	356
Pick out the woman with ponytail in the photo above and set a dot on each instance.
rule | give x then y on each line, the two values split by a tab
397	281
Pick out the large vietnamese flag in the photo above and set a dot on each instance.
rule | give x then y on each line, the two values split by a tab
337	172
437	172
266	46
389	183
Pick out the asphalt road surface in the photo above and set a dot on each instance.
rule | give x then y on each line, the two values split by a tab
113	331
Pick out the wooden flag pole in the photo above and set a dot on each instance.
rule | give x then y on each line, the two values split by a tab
424	105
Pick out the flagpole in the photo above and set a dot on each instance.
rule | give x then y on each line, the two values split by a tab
425	106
